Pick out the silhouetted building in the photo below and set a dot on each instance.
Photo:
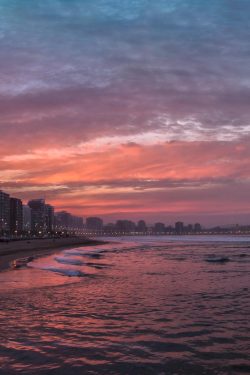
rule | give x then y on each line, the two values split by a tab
141	226
197	228
26	218
109	228
50	218
94	224
76	223
125	226
189	228
4	213
179	227
38	216
159	228
63	220
170	229
16	216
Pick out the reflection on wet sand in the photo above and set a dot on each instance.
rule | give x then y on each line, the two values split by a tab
139	307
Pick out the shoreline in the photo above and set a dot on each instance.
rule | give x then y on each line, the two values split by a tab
39	248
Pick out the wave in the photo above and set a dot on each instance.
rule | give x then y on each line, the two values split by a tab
84	254
74	262
97	265
222	259
65	272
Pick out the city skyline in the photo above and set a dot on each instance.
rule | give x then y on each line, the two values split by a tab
127	109
37	216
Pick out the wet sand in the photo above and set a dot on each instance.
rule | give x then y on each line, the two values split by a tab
150	306
39	247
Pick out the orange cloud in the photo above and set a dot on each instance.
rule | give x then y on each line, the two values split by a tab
172	177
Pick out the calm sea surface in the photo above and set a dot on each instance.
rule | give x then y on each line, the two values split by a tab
137	306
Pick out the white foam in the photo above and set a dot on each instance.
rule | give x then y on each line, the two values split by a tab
65	272
74	262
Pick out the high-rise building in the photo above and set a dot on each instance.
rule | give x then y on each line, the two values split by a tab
141	226
159	228
125	226
16	216
26	218
50	218
76	223
4	213
179	227
109	228
38	216
197	227
94	224
63	220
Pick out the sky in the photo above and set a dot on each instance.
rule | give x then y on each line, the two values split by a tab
127	109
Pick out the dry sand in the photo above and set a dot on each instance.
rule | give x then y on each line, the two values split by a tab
40	247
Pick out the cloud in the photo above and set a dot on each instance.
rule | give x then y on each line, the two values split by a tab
139	97
137	167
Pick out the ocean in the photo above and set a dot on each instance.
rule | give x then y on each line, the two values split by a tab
136	306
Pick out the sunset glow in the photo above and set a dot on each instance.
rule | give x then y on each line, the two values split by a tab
132	109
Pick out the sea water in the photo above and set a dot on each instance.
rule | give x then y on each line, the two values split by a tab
137	305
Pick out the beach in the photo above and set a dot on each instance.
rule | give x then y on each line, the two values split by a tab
135	305
39	247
